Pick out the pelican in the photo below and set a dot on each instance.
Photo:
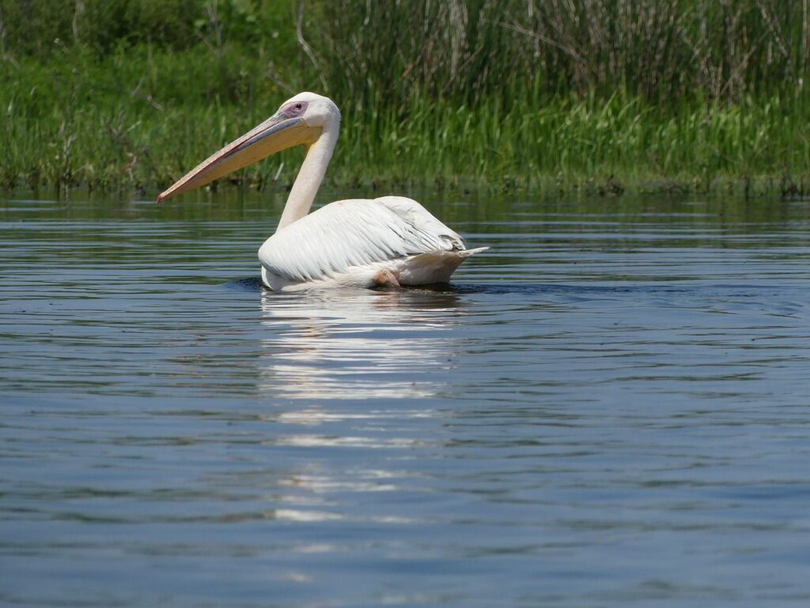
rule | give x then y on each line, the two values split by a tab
388	241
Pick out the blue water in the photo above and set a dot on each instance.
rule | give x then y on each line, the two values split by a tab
611	407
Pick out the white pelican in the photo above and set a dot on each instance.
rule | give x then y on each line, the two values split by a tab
389	241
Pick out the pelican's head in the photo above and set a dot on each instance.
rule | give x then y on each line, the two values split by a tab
316	110
298	122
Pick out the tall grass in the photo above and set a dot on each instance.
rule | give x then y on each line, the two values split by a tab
473	50
660	50
512	94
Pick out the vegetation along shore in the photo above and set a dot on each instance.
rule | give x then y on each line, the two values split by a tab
600	95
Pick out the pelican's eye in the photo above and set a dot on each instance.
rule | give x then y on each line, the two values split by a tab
296	108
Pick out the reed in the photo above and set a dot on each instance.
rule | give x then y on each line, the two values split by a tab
593	94
659	50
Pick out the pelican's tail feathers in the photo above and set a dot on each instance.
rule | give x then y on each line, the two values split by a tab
468	252
433	267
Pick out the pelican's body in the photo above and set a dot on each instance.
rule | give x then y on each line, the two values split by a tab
386	241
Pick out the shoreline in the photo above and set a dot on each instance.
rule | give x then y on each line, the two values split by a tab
784	188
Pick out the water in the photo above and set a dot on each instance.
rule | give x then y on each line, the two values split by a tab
608	408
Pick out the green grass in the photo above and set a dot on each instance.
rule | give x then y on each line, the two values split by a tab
67	123
131	95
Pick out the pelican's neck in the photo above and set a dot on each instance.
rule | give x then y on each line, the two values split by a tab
310	176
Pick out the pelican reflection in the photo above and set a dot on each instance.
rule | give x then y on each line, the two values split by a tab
357	344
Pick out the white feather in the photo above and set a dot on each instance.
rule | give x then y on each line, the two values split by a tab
350	242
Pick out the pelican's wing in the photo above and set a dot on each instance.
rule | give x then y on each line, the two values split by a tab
346	234
423	221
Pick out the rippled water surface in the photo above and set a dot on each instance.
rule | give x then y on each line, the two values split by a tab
610	407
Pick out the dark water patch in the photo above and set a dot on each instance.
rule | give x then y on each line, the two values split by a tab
252	284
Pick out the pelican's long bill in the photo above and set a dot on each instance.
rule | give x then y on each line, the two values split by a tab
275	134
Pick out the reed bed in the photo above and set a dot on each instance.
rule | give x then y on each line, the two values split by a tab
595	94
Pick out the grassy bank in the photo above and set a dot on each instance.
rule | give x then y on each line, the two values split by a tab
68	123
109	110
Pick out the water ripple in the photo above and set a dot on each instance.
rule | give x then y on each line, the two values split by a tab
608	407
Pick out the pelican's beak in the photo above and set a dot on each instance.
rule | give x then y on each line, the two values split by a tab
273	135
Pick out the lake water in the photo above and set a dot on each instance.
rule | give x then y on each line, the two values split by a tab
611	407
